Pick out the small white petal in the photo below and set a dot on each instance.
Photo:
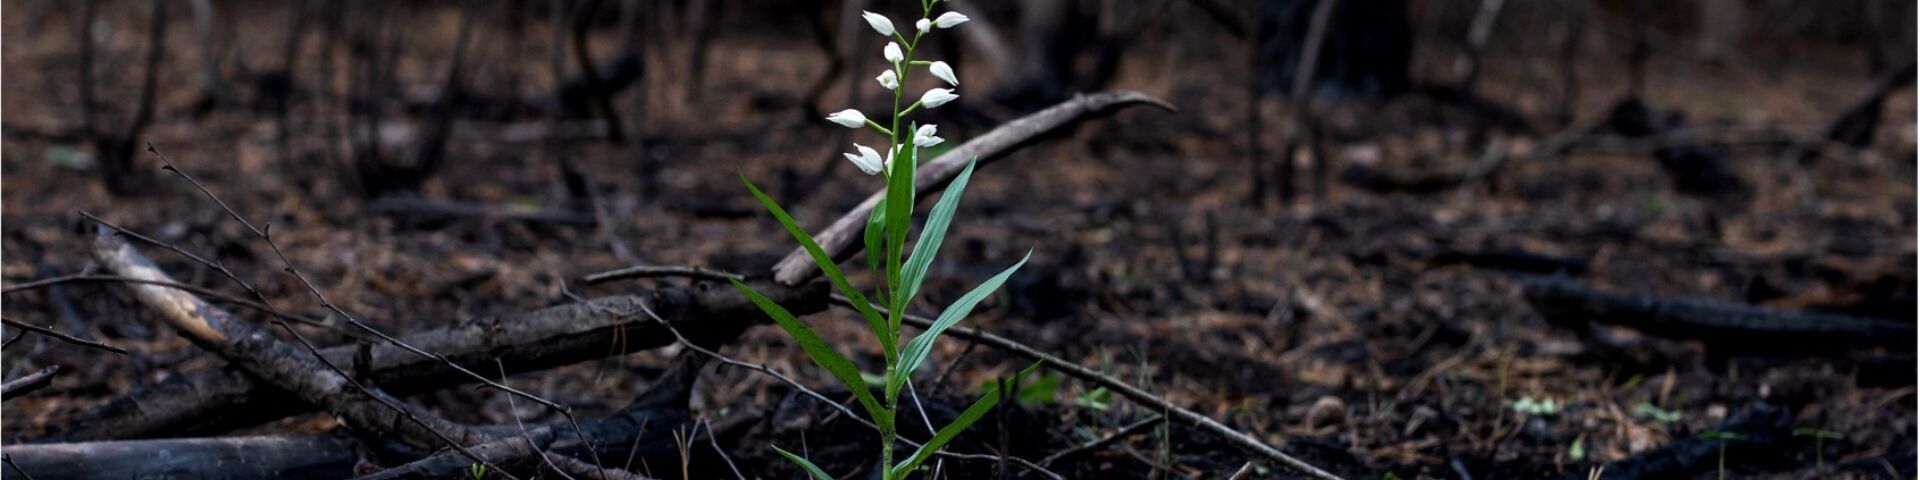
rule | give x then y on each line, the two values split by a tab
868	160
849	118
937	97
949	19
879	22
924	25
888	79
944	72
892	52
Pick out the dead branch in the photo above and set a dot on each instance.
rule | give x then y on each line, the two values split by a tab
62	336
1855	127
841	238
294	457
28	383
220	400
311	377
642	428
1729	325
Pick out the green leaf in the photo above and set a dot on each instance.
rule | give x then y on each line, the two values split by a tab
804	464
899	214
960	424
1040	391
918	348
825	356
820	257
1815	432
931	235
1098	399
875	236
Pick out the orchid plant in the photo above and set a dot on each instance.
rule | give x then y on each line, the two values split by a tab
896	281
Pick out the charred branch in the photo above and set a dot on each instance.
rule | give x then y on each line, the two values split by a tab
1733	326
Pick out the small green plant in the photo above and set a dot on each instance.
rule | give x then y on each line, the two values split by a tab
1819	442
1536	407
885	240
478	470
1723	438
1656	413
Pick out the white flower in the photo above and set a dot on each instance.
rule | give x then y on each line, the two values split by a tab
923	137
888	80
880	22
923	25
948	20
944	72
937	97
892	52
868	160
849	118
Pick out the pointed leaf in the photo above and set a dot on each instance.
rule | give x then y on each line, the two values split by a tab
931	235
804	464
918	348
824	355
899	215
832	271
876	247
972	414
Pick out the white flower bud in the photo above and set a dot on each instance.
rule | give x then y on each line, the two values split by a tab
888	79
868	160
949	19
937	97
944	72
924	25
849	118
892	52
923	137
880	22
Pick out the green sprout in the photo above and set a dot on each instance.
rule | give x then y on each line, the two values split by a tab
885	241
478	470
1656	413
1723	438
1531	406
1819	442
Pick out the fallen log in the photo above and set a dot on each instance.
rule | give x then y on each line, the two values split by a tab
643	430
307	374
215	401
841	238
315	456
1733	326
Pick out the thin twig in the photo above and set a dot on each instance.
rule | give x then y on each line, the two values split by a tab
28	383
1133	393
1243	472
531	445
262	233
650	271
16	467
714	440
1123	432
203	292
63	336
